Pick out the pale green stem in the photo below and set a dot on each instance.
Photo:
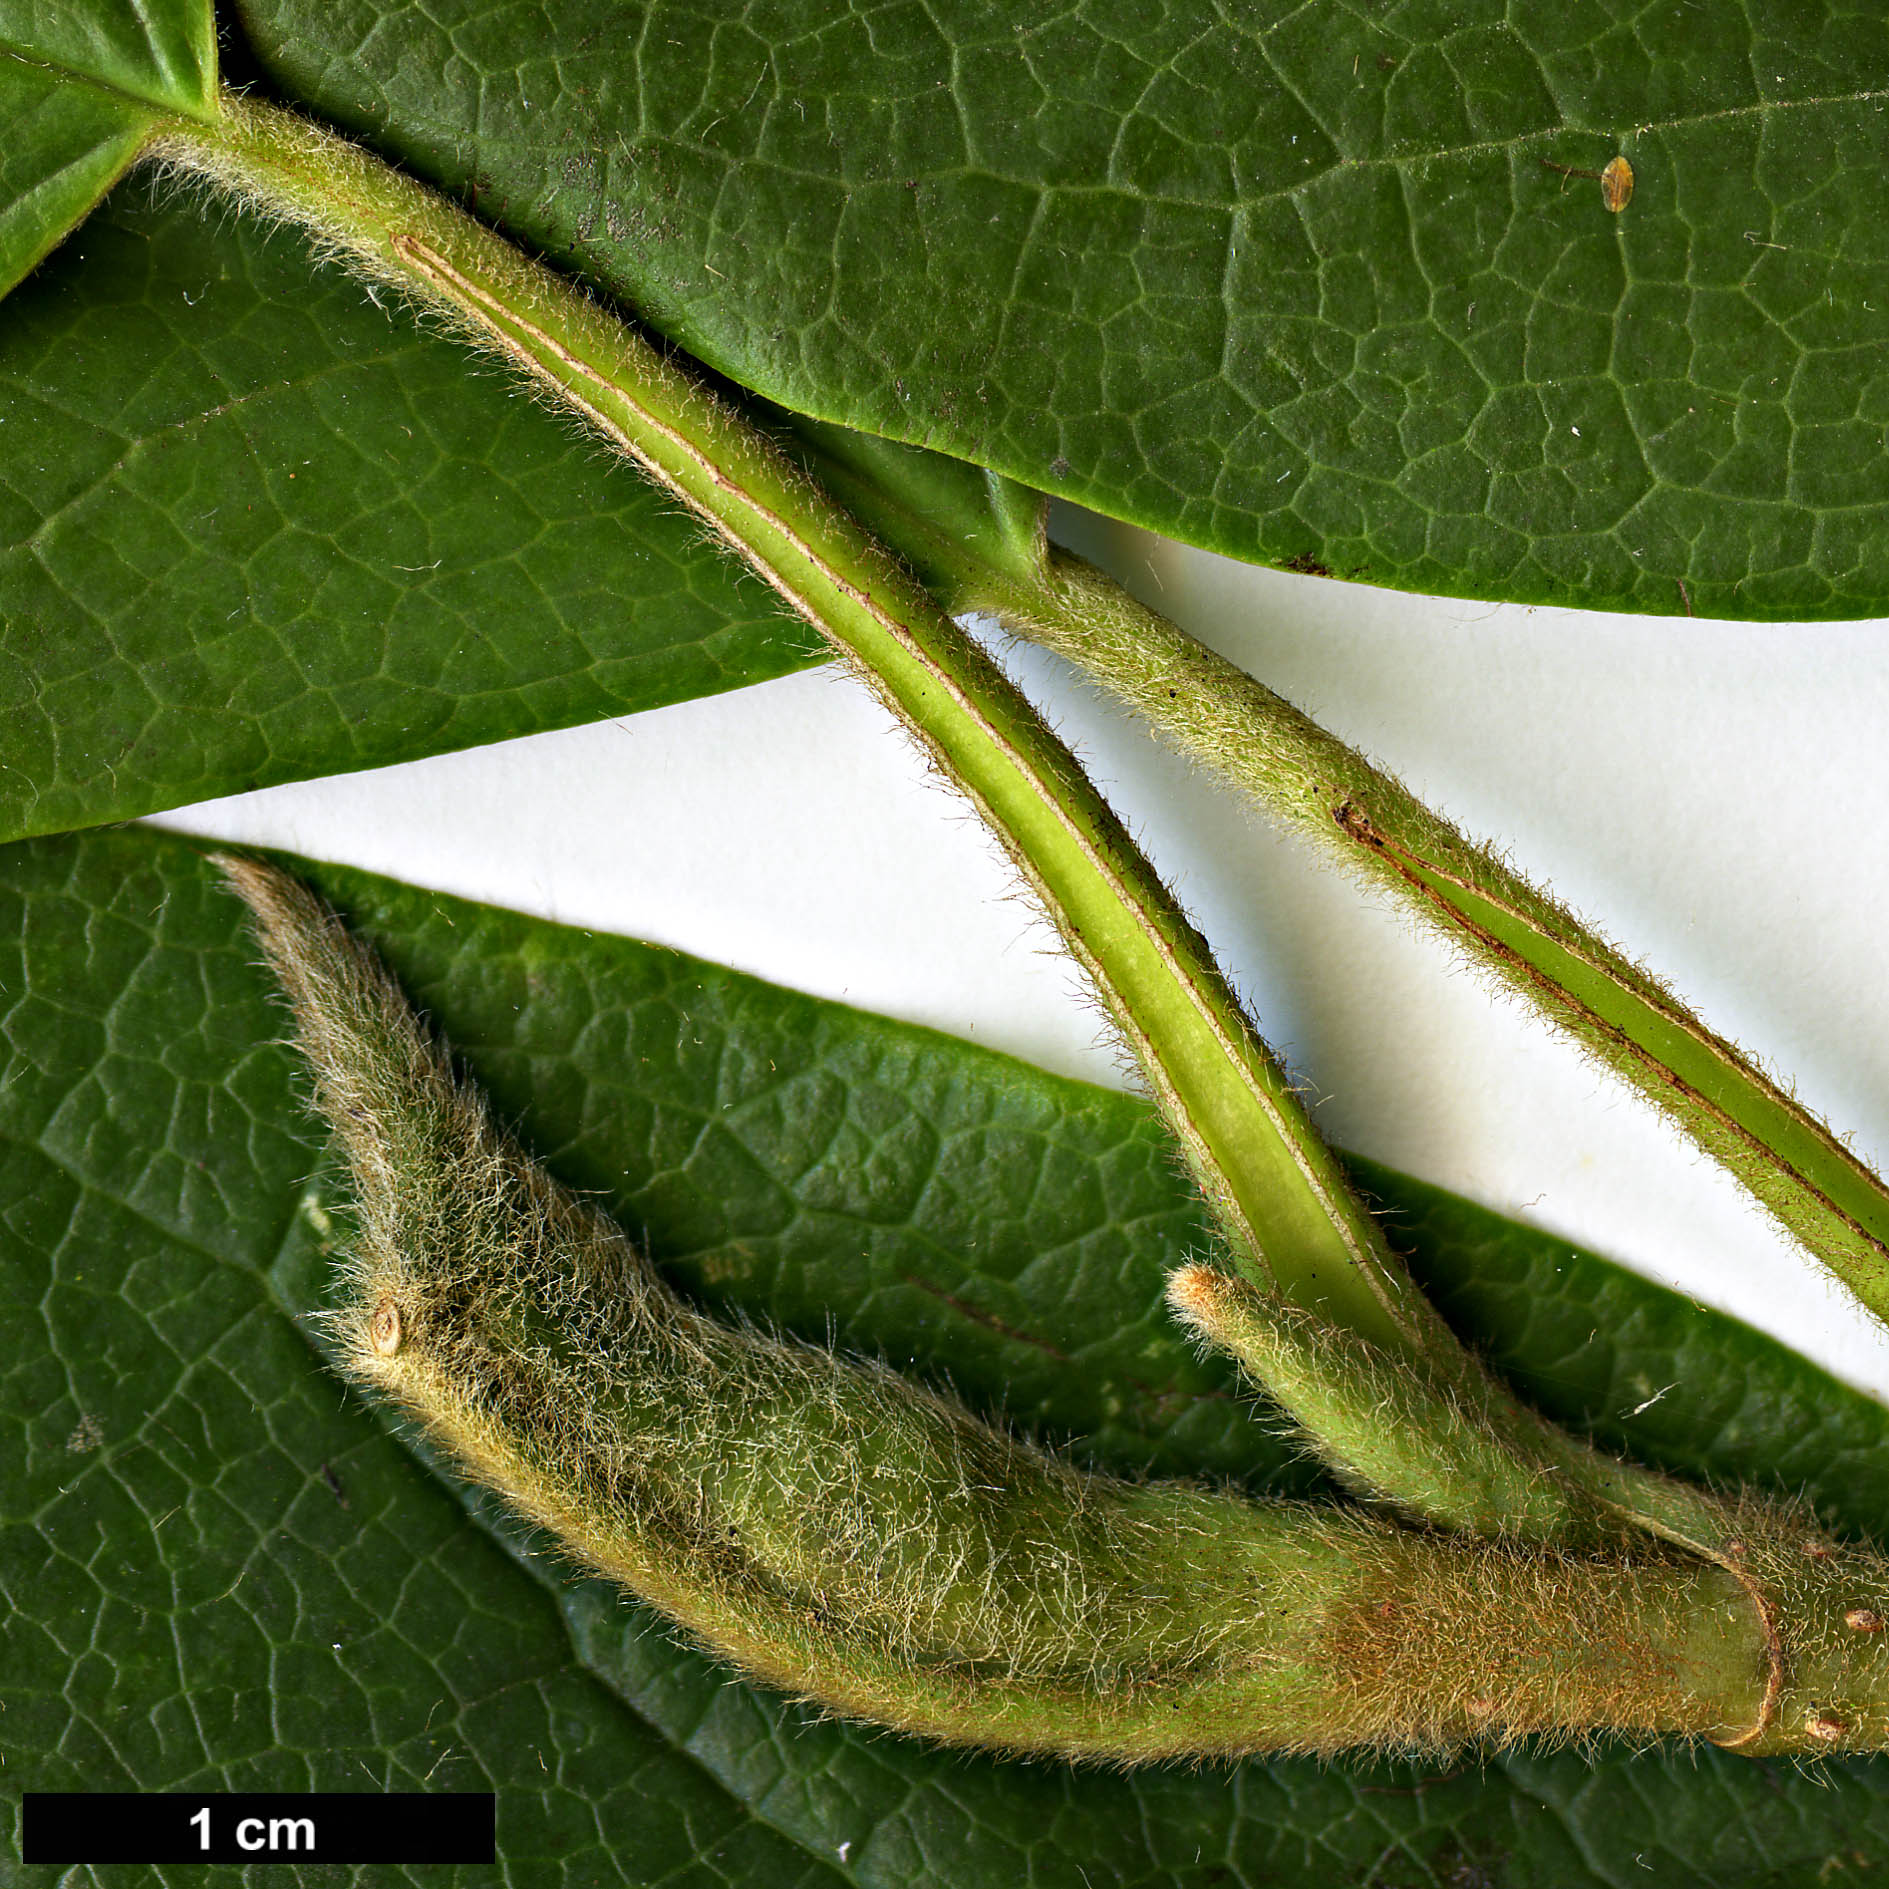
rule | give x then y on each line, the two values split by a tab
1794	1164
1282	1199
1389	1431
1459	1453
979	544
1213	712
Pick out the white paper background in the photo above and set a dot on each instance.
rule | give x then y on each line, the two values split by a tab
1714	796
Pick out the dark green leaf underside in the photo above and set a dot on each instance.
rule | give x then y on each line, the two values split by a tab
186	1601
1291	281
253	528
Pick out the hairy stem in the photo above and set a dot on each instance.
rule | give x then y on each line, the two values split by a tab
966	544
1288	1213
1792	1162
1387	1430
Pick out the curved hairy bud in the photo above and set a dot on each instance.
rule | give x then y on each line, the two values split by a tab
858	1541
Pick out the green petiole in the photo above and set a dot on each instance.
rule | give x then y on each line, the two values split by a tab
1288	1213
964	540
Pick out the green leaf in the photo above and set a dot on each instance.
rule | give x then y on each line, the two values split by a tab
162	52
63	150
1291	281
77	86
253	528
188	1603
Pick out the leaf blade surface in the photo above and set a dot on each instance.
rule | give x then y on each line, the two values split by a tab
160	52
63	150
253	528
1293	283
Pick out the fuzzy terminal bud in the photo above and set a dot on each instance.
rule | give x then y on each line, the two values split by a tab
853	1539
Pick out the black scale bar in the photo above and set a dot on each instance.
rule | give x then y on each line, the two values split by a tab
258	1827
